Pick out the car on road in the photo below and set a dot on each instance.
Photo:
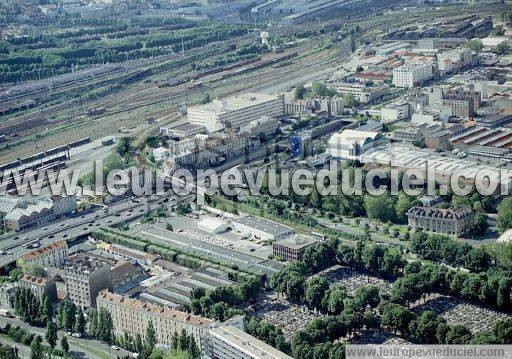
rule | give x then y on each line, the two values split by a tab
77	335
50	236
114	347
45	228
3	253
109	221
64	236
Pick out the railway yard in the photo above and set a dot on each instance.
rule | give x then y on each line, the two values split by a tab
175	175
114	98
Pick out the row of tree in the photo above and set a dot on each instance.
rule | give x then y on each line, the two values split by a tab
220	304
31	308
100	325
443	249
268	333
490	288
70	317
372	258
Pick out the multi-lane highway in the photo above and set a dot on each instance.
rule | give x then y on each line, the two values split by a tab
70	228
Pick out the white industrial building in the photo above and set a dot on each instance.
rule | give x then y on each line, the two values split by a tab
237	111
412	74
264	126
261	228
350	144
213	225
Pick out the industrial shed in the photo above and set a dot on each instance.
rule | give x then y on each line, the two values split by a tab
213	225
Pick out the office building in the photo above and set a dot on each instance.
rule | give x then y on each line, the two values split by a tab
237	111
292	248
361	92
412	74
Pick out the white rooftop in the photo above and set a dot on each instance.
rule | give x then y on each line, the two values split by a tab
235	103
249	345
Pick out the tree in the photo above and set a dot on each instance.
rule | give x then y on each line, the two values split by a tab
36	348
458	334
424	329
300	91
349	101
359	68
315	291
183	341
206	99
51	334
218	311
505	214
380	207
365	296
150	339
396	317
137	344
68	315
46	309
336	298
502	48
105	326
475	45
175	340
193	349
80	321
64	344
93	323
480	223
403	205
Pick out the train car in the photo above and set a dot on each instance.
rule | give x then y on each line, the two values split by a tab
79	143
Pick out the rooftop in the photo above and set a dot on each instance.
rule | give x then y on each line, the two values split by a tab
434	212
44	250
247	343
296	241
263	224
39	281
235	103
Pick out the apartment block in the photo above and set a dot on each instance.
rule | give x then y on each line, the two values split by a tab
85	277
133	316
52	255
39	286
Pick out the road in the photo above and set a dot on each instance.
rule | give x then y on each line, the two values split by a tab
69	228
98	350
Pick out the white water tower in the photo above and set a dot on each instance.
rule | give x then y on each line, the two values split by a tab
264	38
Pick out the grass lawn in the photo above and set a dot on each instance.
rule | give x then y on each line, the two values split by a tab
96	352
